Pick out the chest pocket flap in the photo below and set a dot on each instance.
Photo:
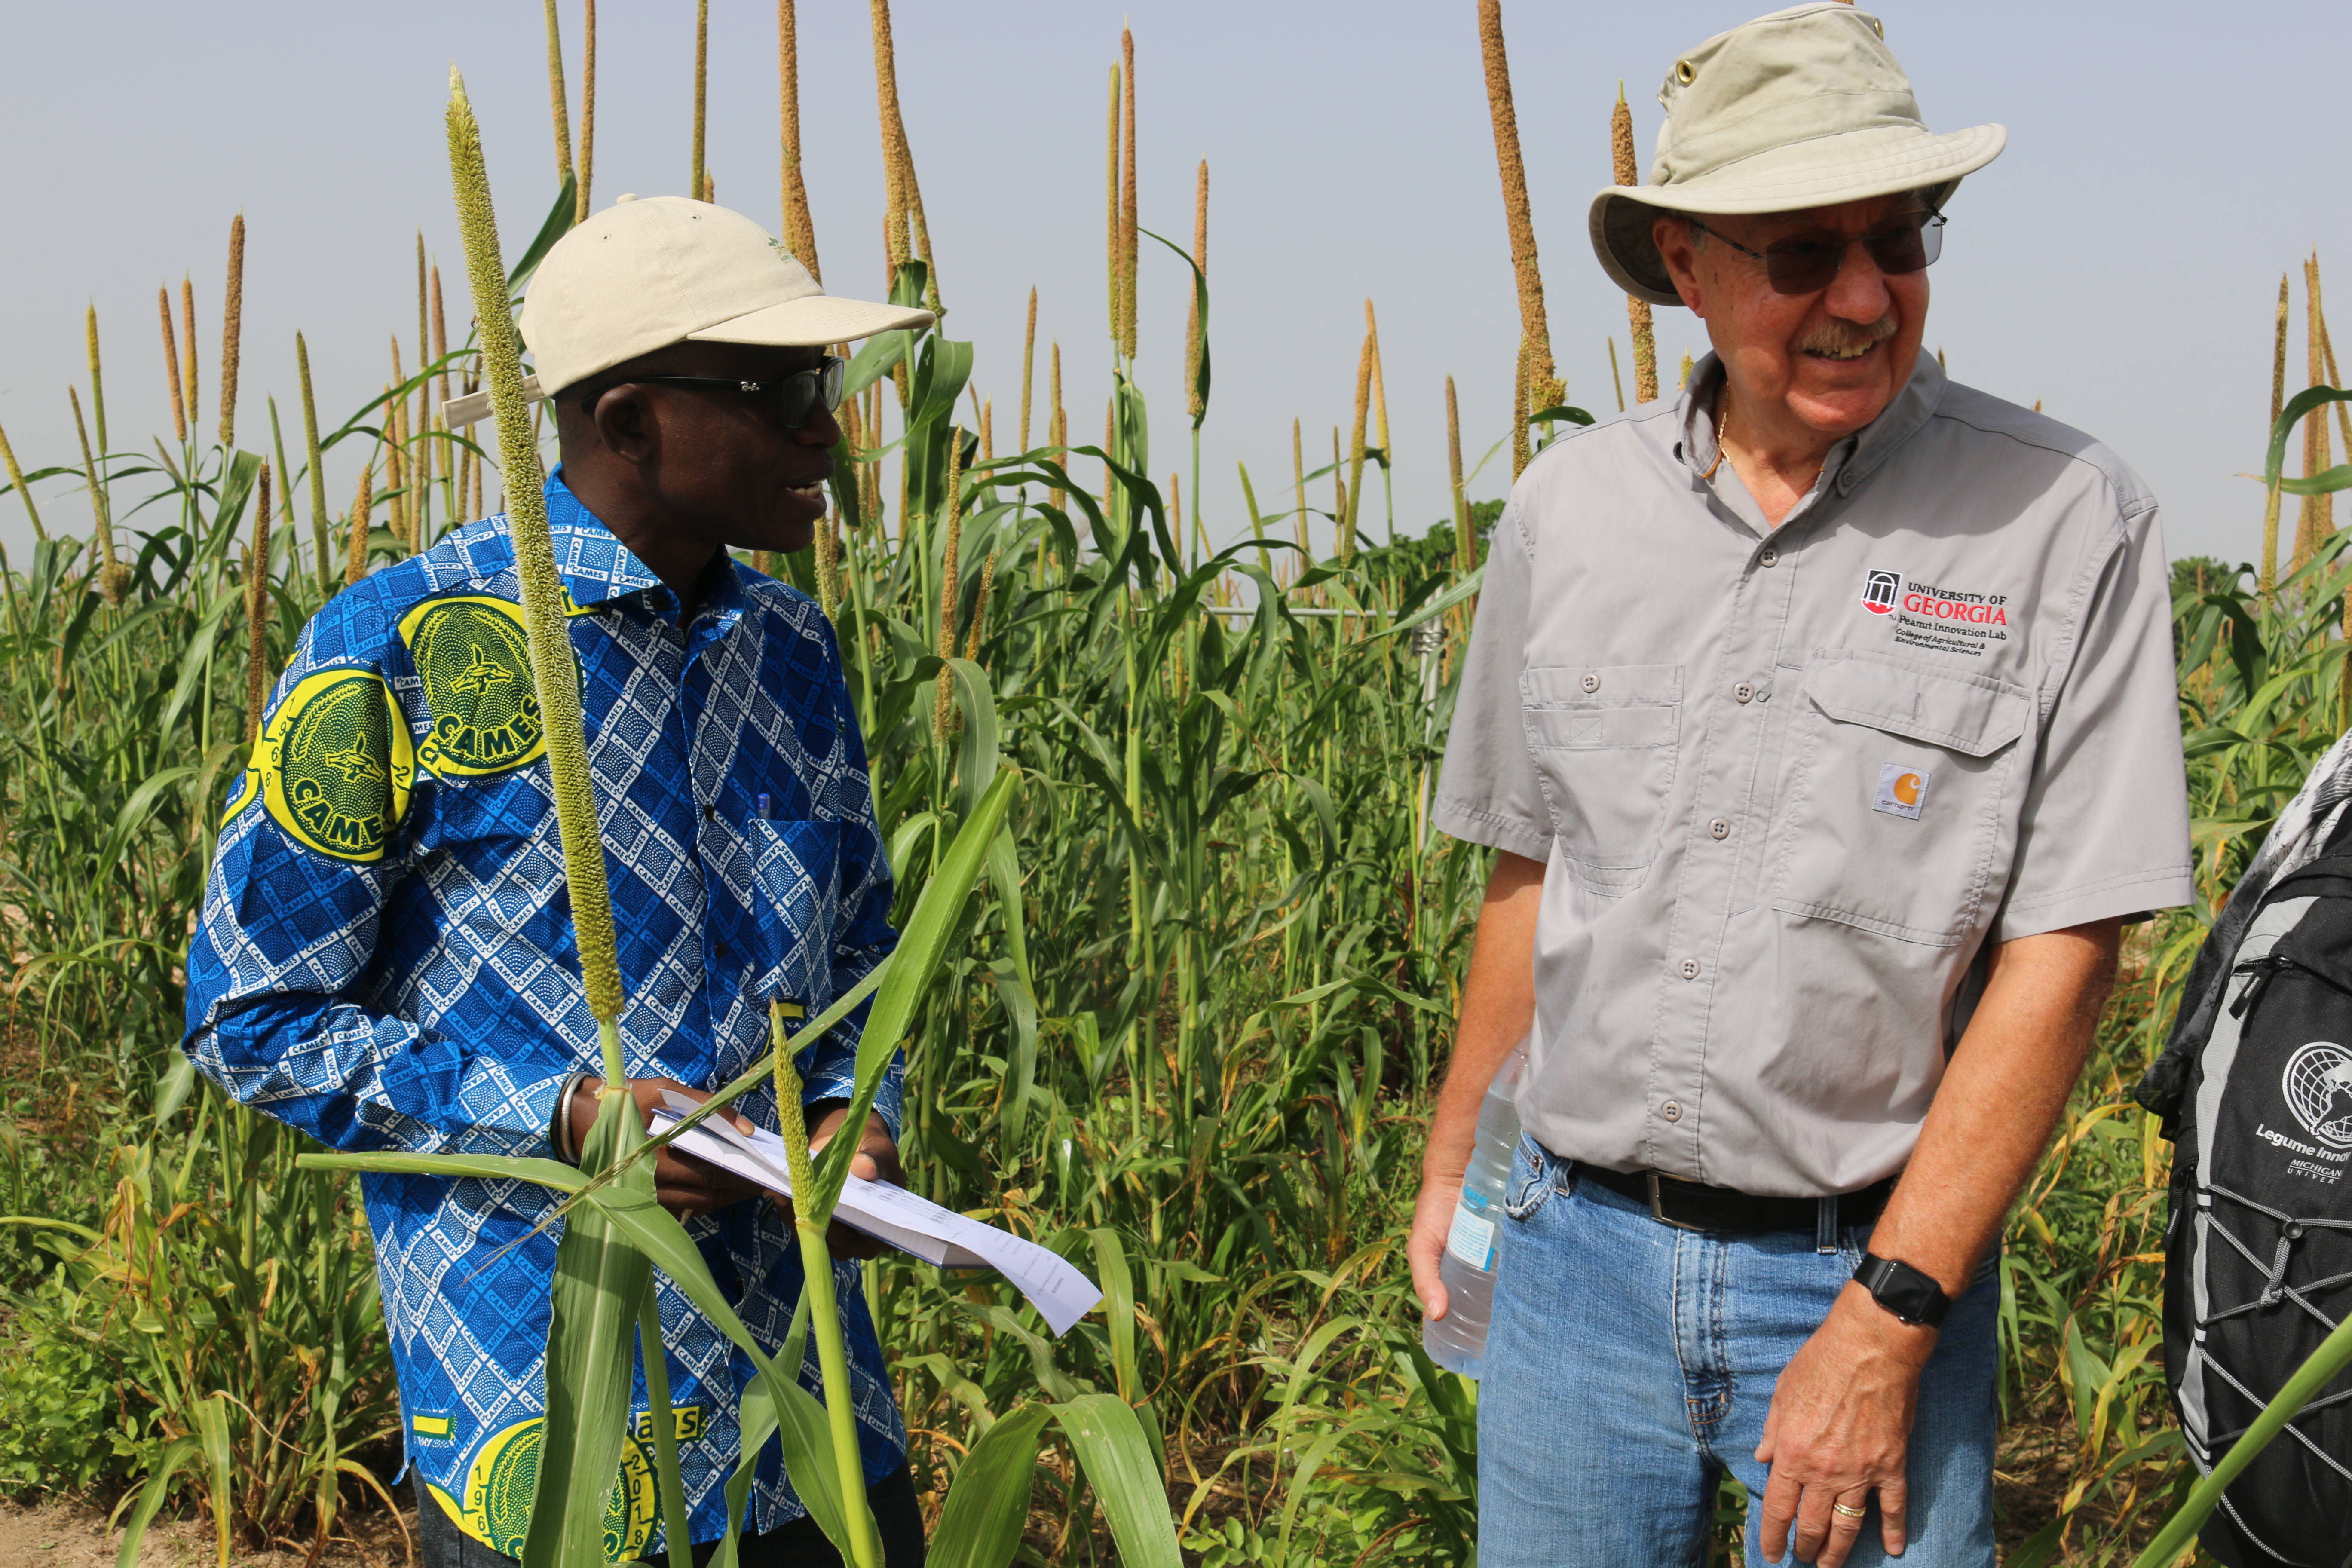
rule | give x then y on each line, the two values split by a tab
1926	874
1603	742
1973	715
1571	707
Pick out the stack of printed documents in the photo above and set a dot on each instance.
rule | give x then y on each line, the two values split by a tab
1060	1293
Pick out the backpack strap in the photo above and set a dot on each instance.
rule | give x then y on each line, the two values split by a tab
2308	830
2160	1089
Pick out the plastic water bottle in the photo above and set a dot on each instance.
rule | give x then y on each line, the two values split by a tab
1457	1341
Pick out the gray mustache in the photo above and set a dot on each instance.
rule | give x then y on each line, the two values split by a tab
1840	336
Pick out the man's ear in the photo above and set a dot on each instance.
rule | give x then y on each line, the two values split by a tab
625	426
1673	238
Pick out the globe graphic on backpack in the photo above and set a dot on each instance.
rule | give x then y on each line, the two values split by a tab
2318	1087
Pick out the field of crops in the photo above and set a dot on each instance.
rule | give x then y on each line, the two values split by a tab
1187	1031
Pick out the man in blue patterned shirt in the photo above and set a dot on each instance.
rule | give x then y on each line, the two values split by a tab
386	958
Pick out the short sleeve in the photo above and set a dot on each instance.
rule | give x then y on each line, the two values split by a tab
1488	793
2104	829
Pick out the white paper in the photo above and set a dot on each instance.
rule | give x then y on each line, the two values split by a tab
915	1225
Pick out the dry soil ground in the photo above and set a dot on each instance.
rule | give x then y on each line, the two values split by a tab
73	1534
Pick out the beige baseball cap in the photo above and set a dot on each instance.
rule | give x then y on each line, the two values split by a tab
1805	108
644	274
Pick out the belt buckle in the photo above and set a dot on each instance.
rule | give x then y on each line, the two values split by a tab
1657	1203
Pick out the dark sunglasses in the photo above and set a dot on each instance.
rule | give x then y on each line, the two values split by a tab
795	397
1804	263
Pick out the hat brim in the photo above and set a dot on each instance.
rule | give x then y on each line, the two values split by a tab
1853	166
814	320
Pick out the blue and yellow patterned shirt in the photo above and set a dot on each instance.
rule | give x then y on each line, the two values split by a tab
386	961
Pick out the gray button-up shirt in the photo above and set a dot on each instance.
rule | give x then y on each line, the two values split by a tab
1788	782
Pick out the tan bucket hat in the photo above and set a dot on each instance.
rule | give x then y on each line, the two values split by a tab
643	275
1805	108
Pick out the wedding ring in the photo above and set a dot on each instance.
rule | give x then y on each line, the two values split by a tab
1846	1510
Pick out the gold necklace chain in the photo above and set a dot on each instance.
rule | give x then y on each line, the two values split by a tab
1722	422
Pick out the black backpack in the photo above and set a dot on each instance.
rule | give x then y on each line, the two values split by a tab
2255	1089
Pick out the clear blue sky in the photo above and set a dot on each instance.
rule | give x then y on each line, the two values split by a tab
2120	261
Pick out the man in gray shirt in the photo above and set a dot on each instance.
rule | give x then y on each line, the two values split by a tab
1823	722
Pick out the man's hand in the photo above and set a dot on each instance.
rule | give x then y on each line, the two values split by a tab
687	1186
1837	1430
1498	1003
1840	1421
876	1160
1425	1247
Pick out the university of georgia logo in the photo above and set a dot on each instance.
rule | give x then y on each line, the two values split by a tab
2318	1088
1879	590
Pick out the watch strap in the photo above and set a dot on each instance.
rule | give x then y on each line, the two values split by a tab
1906	1292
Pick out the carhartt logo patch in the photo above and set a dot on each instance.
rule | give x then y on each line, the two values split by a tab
1901	790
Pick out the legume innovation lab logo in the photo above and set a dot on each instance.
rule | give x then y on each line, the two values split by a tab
2317	1084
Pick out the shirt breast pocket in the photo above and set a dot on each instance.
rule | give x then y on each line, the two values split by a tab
1604	743
798	906
1903	796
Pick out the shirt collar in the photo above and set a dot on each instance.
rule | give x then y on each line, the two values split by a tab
1851	461
598	568
596	565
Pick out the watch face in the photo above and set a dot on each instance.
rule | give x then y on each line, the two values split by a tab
1904	1291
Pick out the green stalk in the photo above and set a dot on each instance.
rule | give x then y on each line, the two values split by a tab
557	97
699	183
97	381
865	664
286	482
825	1316
602	1277
317	474
113	577
2334	1354
554	672
943	709
1356	462
16	482
678	1540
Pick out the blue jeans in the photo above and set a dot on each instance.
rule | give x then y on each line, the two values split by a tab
1631	1363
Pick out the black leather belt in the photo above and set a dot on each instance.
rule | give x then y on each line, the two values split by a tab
1694	1205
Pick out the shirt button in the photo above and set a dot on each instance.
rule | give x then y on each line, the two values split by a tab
1672	1110
1690	969
1770	557
1743	692
1591	684
1719	828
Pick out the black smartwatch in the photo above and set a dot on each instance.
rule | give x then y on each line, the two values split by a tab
1903	1290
